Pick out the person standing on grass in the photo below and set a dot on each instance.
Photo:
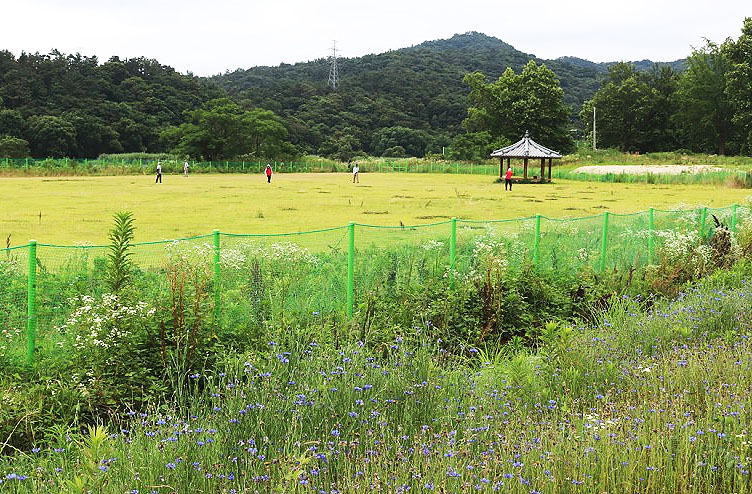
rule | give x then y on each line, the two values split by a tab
159	173
185	169
508	178
268	174
356	171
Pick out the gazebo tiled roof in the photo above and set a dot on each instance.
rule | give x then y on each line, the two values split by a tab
525	148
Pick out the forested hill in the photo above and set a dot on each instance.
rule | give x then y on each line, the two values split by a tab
418	87
641	65
75	106
412	98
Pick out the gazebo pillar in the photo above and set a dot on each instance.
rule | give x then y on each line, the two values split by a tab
543	169
524	173
549	169
501	166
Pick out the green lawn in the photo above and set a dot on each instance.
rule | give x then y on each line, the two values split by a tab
72	210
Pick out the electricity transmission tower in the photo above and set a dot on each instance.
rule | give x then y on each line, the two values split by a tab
333	73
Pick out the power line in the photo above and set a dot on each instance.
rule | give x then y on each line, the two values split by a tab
333	72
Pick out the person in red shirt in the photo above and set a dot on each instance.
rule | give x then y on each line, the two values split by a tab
508	179
268	174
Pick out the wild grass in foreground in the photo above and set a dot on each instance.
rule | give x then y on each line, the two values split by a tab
652	398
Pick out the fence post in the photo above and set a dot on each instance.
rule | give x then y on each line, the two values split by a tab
733	217
604	236
452	249
217	276
351	269
650	235
536	244
31	304
703	216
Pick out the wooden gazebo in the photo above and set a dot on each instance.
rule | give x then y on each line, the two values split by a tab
525	149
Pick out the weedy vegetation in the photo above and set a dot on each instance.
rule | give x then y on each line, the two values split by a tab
497	375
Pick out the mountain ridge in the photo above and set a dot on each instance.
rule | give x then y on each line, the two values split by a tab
419	87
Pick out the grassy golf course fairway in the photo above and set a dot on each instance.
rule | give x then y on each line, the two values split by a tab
75	210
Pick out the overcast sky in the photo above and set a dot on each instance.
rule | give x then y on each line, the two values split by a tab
210	37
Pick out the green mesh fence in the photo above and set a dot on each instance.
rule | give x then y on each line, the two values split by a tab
14	268
247	283
390	260
277	279
509	241
173	166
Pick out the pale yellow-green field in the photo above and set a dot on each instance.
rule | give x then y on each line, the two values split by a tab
74	210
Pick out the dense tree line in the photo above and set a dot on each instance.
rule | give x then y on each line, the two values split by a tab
513	105
71	105
466	95
406	102
705	108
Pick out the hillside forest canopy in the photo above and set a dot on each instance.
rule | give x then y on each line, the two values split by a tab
460	97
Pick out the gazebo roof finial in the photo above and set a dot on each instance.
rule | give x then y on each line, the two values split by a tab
525	148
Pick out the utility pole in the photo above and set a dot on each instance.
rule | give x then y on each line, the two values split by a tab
333	73
593	128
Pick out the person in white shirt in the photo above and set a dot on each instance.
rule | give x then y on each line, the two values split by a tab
159	173
185	169
355	171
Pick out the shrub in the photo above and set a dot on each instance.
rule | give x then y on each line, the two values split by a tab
111	348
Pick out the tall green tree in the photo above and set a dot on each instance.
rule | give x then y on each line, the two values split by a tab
633	109
705	111
739	82
51	136
659	131
530	101
12	123
213	131
93	135
411	140
341	144
475	145
13	147
264	134
221	129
